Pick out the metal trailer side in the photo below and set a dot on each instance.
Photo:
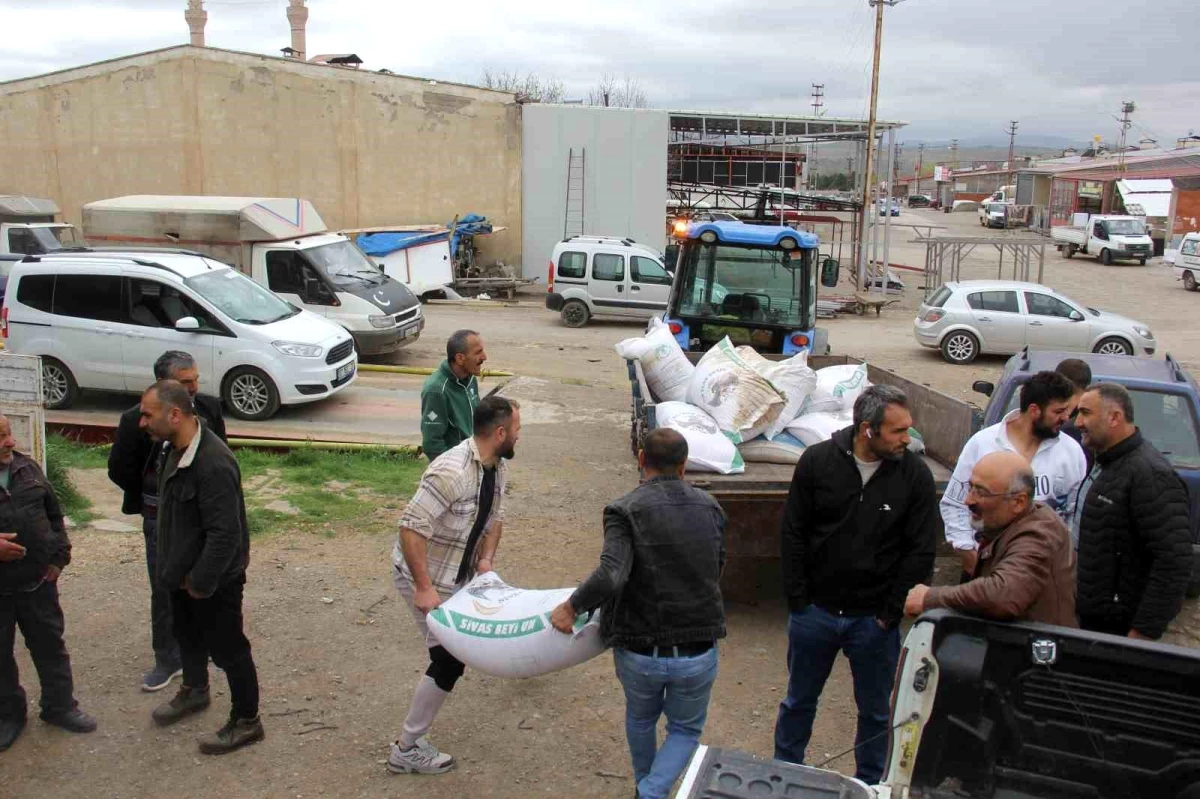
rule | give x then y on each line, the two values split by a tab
754	500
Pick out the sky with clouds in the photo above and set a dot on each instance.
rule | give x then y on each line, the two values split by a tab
950	68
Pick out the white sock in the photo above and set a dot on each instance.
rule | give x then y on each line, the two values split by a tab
426	702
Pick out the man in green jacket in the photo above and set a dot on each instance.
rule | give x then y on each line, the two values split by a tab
449	396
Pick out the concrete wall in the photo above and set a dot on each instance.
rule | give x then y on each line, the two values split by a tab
366	149
625	179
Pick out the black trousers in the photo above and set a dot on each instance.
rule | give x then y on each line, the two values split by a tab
40	618
212	627
166	651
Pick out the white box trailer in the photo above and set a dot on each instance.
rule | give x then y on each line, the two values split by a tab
30	226
416	255
281	243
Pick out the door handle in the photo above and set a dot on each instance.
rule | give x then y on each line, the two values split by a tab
108	331
635	288
1035	324
985	319
620	289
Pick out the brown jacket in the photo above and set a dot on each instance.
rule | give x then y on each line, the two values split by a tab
1026	573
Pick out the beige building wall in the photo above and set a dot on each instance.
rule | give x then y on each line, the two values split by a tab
367	149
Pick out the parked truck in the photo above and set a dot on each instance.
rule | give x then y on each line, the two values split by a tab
1107	237
30	226
281	243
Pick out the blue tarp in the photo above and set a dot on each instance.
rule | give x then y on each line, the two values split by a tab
469	225
384	243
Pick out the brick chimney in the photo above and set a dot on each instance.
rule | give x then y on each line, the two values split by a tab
196	17
297	15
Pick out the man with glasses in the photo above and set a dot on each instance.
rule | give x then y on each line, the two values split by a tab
1026	566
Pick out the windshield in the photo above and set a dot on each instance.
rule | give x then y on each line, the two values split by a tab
344	264
748	284
240	298
1165	420
1125	227
996	208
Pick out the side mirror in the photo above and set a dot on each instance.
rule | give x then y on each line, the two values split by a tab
829	273
188	324
1076	316
983	387
314	291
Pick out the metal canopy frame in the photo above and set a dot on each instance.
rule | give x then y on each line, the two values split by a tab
944	257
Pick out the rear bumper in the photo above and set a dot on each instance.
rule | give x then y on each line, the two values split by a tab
554	301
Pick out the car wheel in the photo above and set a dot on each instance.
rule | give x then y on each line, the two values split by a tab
1189	280
1106	257
575	313
960	347
249	394
1068	251
1141	261
58	384
1113	346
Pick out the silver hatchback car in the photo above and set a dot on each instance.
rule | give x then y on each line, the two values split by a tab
1003	316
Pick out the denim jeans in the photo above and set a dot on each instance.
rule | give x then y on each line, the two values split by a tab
815	636
680	688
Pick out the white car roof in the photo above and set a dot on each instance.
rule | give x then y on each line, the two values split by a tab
611	242
180	265
999	285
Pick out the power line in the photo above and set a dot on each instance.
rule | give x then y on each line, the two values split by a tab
1012	135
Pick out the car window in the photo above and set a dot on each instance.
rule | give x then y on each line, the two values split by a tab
154	304
285	272
23	241
939	298
1188	248
36	291
648	270
1045	305
994	301
572	264
608	267
89	297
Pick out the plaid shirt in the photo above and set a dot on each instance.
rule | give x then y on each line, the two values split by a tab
443	511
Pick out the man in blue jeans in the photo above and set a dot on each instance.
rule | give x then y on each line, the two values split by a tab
859	530
658	582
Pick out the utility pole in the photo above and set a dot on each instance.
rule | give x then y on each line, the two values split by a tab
850	170
818	95
920	164
1012	135
899	148
954	153
866	192
1127	108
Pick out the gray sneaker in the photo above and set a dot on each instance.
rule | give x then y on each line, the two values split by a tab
423	758
186	702
160	677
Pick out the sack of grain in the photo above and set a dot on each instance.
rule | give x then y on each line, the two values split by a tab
505	632
741	401
791	377
813	428
837	388
784	448
668	371
709	449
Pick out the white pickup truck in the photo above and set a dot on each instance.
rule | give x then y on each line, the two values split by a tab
1109	238
29	226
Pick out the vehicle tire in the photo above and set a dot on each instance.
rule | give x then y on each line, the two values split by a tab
1189	280
1141	261
249	394
1068	251
1113	346
575	313
58	384
960	347
1106	257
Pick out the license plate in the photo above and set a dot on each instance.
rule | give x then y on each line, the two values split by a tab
409	329
344	372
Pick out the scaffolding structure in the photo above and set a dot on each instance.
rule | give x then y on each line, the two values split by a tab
944	257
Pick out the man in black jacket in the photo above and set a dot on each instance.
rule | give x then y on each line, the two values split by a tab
133	465
203	550
659	584
859	530
1135	554
34	549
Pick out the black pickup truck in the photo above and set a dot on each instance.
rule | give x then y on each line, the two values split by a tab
1008	711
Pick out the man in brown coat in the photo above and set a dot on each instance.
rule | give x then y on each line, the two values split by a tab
1026	568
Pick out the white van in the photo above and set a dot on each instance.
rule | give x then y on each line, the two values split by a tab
603	275
1187	261
100	320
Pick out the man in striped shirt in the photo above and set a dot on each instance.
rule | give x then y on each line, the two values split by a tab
449	533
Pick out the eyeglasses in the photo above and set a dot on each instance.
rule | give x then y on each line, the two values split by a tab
984	493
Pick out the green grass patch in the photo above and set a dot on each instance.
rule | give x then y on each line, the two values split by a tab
73	455
381	471
63	454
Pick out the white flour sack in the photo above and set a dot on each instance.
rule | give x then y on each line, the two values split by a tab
709	450
784	448
505	632
837	388
813	428
668	371
742	402
792	378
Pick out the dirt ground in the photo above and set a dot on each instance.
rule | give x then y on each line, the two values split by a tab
349	666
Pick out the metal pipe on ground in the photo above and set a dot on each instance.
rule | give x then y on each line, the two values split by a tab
420	370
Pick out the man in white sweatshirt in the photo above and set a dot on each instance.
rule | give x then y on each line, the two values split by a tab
1032	431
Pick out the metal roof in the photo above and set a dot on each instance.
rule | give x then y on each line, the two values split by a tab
722	124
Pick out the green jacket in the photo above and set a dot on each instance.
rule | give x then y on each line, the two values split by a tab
447	410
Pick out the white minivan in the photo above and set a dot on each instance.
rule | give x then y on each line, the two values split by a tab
603	275
1187	261
100	320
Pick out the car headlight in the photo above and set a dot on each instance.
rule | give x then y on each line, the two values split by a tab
1144	332
383	320
298	350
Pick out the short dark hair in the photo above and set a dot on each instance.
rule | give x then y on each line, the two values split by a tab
665	449
1044	388
1023	482
1077	371
1111	392
873	403
172	394
493	412
172	361
457	343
